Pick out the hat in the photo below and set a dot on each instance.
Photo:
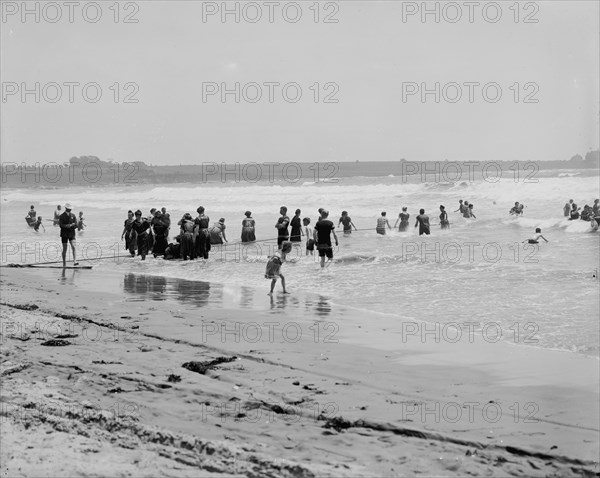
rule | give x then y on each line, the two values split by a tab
68	206
222	219
248	213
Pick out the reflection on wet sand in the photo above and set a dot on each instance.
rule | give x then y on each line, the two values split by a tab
67	279
146	287
142	287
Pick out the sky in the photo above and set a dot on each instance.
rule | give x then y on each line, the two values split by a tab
361	68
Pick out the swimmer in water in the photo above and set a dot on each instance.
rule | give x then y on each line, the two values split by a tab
517	209
403	218
381	223
310	242
423	223
57	214
444	218
536	237
80	223
36	226
346	221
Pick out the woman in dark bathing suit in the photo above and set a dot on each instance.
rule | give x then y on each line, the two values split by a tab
128	234
188	248
161	230
403	218
444	218
141	227
248	234
346	222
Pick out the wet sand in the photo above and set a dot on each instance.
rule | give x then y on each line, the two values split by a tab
132	375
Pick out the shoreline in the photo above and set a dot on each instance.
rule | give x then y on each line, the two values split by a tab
355	394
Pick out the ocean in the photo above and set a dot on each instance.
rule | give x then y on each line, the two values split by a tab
477	275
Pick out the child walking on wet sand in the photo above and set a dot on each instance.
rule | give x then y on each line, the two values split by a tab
273	272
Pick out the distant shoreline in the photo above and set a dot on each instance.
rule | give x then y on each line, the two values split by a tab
93	172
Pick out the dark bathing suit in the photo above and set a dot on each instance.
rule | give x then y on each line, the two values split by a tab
403	221
423	224
129	236
283	233
187	240
248	230
66	219
346	223
296	234
141	229
203	238
160	237
324	228
444	220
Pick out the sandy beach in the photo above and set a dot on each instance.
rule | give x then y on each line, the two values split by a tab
97	383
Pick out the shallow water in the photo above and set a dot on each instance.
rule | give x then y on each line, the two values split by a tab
477	271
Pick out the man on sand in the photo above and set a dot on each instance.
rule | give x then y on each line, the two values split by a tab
68	223
323	230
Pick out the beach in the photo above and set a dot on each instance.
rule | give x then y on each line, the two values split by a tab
300	239
195	386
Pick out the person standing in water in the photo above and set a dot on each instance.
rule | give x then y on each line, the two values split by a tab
466	212
574	212
403	217
201	233
67	223
296	223
31	216
310	242
567	209
57	213
161	231
322	234
596	209
248	233
469	213
536	237
128	233
188	248
37	224
461	206
444	218
382	222
282	227
217	232
141	227
80	223
273	272
423	223
346	222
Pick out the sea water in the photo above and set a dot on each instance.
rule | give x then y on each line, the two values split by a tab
476	272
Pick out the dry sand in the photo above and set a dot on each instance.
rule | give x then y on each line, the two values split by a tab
116	400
